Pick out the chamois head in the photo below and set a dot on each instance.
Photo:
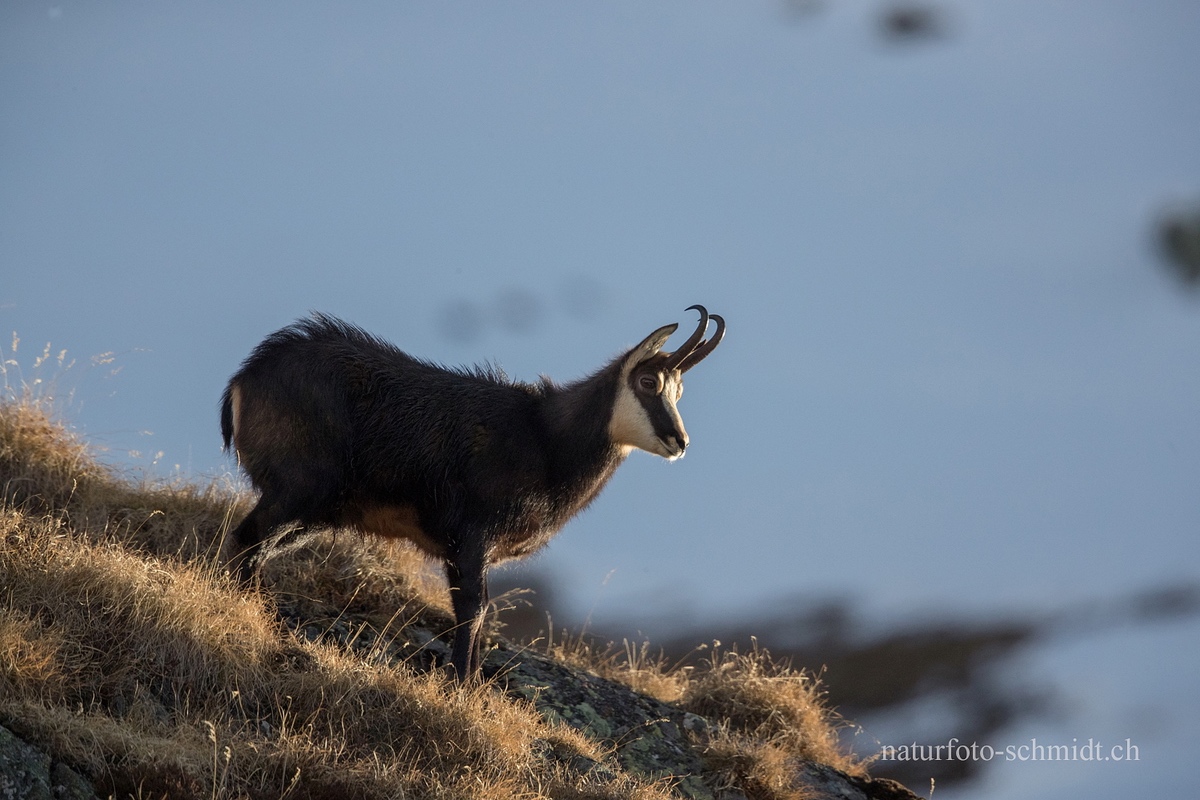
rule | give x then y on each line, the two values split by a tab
651	383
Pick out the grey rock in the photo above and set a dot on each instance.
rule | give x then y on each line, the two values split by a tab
26	773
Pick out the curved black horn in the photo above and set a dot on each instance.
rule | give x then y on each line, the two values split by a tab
704	348
683	352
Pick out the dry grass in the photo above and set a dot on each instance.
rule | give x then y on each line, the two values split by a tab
636	665
768	715
127	653
157	676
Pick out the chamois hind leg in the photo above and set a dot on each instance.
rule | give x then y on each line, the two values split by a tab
466	573
299	507
247	539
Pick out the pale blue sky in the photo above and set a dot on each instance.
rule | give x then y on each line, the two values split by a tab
956	376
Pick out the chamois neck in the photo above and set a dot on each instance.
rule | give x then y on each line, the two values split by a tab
577	418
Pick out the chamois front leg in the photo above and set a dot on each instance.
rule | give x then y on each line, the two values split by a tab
466	573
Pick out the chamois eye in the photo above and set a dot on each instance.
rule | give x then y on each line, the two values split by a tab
648	383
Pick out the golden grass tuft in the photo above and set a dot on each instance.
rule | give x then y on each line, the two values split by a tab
770	718
41	460
768	701
45	468
634	664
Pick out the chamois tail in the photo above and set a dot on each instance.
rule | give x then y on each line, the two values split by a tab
227	416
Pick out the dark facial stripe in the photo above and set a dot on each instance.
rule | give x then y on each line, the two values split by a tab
663	421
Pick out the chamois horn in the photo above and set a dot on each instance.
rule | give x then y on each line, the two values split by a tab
696	348
705	347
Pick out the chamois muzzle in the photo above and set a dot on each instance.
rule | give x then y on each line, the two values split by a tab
697	347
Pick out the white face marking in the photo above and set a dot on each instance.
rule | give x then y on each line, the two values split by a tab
630	426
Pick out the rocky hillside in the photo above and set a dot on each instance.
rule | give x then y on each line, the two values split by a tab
131	666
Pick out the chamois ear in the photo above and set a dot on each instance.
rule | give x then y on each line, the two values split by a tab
651	344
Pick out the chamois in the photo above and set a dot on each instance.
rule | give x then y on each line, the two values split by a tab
336	427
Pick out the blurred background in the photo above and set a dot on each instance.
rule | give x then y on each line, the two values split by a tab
950	448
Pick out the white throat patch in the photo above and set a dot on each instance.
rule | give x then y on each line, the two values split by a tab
629	426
